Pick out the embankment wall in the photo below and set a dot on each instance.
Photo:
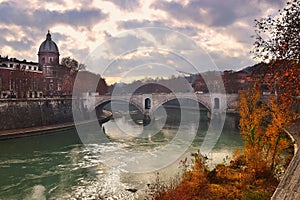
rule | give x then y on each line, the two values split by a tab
18	113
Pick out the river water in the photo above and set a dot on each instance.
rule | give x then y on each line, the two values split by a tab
59	166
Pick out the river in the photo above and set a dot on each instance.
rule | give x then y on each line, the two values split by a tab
58	166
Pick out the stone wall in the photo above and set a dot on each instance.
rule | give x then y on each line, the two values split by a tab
17	113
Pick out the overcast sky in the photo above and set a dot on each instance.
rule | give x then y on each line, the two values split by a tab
222	28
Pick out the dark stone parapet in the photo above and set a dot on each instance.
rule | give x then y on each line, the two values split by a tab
22	132
26	117
24	113
289	186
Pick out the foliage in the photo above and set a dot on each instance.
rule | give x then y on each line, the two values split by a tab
263	127
277	38
223	182
72	64
87	82
278	42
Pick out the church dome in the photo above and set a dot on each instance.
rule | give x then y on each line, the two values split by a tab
48	46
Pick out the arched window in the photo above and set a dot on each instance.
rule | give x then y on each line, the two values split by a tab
147	103
216	103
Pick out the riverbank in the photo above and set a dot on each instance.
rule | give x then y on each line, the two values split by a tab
23	132
39	130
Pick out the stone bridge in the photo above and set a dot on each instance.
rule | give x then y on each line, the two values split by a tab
214	102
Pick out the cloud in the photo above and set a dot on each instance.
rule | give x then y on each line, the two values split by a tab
132	51
126	4
132	24
198	12
221	28
211	13
11	13
7	38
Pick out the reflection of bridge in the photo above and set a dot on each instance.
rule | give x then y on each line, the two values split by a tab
214	102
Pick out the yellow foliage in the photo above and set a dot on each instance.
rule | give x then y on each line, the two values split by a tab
223	182
263	128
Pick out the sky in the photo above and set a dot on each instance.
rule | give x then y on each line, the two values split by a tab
163	33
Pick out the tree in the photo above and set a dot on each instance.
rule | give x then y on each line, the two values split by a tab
86	83
278	38
263	127
72	64
278	42
68	78
68	83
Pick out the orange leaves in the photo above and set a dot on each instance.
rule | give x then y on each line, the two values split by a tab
286	73
252	114
263	127
235	181
283	35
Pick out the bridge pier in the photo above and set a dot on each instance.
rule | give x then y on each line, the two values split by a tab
146	118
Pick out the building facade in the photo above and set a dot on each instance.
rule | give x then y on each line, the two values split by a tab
53	72
20	79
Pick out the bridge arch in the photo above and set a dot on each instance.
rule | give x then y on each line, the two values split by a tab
158	104
106	101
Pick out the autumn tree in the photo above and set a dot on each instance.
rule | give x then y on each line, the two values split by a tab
263	126
278	43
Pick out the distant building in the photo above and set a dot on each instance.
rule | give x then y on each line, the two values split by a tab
20	79
46	78
48	56
23	79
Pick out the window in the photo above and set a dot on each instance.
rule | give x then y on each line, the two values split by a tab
58	87
34	68
217	103
11	65
29	67
48	71
50	59
43	60
11	84
147	103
